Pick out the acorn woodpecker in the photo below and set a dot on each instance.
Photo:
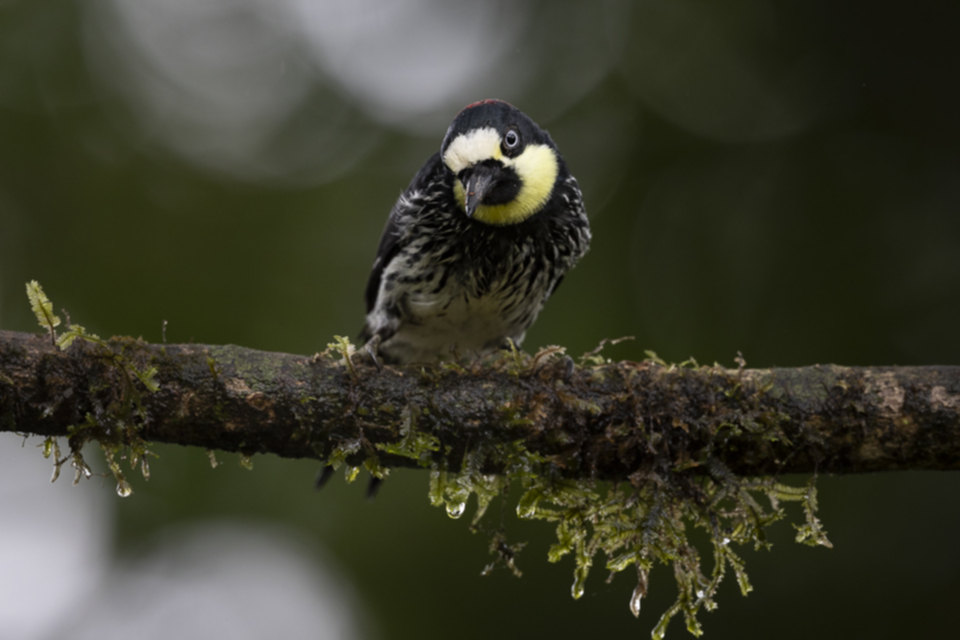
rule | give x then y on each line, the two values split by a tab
476	244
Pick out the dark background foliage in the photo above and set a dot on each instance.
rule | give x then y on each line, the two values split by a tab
781	179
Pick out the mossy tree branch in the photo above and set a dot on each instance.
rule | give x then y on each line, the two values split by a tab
604	420
691	443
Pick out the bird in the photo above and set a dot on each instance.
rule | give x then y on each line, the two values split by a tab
477	243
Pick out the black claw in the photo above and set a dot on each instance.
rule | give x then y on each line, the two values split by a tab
369	351
373	487
373	356
323	476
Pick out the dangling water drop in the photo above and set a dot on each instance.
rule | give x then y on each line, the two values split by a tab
82	470
579	582
246	462
639	592
456	509
124	489
635	601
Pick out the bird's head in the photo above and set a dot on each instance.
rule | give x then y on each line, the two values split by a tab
506	167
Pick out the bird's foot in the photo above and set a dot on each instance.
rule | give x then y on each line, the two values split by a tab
373	487
323	477
368	353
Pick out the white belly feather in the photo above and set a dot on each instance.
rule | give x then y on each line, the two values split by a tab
435	324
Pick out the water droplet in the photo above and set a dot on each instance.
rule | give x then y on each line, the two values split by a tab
579	582
82	471
124	489
246	462
700	593
213	458
660	631
456	509
145	468
635	601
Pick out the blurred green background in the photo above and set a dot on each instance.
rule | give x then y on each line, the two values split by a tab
776	178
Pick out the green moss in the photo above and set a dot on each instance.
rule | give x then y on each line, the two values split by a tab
119	413
343	346
414	444
632	525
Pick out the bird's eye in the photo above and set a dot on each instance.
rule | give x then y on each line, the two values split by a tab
511	140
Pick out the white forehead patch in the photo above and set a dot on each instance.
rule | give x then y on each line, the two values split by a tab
472	147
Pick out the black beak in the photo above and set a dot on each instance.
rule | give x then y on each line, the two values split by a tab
477	182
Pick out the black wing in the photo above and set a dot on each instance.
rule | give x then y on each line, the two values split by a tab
390	239
389	246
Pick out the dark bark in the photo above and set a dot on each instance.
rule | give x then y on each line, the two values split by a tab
603	420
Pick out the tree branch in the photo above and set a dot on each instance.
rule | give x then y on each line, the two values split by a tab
604	420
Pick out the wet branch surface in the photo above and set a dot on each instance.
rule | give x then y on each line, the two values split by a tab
604	420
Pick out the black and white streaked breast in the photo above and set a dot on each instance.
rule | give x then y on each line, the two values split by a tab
445	281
